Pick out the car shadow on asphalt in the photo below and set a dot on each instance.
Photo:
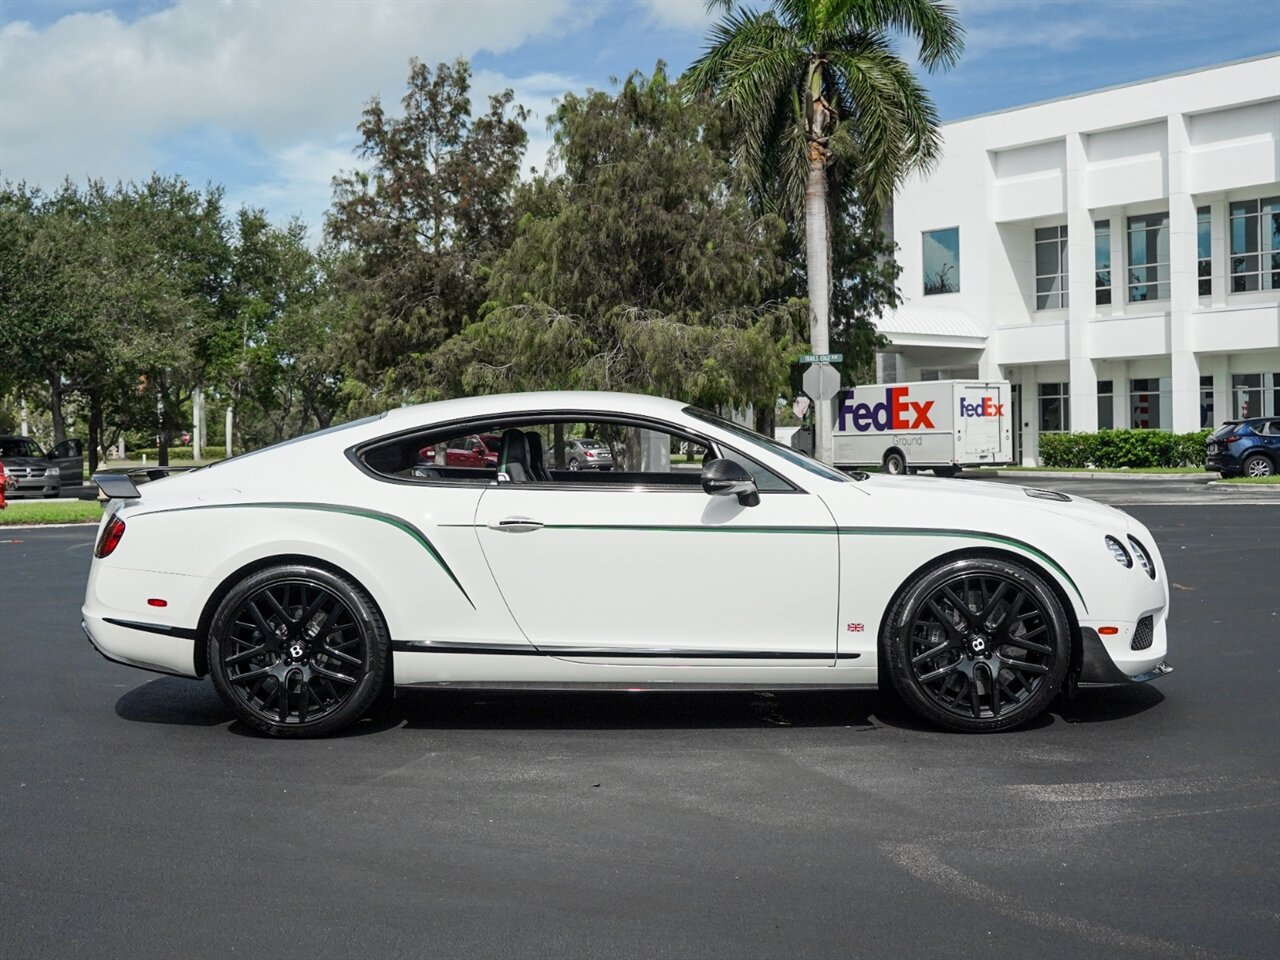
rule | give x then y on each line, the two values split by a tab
182	702
1107	704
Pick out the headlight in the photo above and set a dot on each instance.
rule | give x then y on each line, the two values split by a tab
1119	552
52	472
1143	558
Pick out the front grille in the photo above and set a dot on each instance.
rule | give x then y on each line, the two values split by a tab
25	473
1143	636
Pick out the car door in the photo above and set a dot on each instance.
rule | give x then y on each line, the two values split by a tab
68	457
595	569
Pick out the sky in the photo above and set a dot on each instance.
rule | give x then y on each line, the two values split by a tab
263	96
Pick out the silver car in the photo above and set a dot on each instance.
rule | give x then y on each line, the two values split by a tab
585	454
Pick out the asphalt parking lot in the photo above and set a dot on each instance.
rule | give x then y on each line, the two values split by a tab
137	819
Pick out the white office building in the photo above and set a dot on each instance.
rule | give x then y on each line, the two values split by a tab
1115	255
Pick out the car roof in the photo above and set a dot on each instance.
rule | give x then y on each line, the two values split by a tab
551	401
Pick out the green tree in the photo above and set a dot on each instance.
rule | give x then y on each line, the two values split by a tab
825	106
640	267
47	293
422	225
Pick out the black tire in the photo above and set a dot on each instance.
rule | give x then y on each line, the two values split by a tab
574	465
1257	465
978	645
298	651
895	463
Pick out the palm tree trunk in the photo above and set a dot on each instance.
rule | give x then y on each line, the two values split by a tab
817	257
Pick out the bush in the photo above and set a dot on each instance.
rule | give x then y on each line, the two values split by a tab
1113	449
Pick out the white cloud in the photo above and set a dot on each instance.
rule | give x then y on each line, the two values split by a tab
92	95
680	14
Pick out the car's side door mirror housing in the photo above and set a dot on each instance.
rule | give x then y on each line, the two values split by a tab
725	478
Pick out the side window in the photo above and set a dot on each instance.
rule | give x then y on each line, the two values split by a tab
426	457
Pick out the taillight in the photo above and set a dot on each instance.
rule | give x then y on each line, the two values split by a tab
589	454
110	539
1231	439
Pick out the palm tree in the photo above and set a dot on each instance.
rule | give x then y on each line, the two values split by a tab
827	109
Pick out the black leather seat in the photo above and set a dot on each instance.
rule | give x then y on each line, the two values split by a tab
513	457
537	459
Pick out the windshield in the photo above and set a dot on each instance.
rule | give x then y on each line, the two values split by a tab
1229	427
794	457
19	447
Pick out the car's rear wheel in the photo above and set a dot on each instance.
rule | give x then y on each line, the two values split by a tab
298	651
978	645
895	463
1257	465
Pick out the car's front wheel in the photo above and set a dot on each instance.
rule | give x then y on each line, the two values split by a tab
978	645
298	651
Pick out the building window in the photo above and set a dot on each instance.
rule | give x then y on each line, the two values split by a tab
1106	405
1204	251
1150	403
1206	402
942	261
1102	261
1055	416
1051	267
1255	245
1255	395
1149	258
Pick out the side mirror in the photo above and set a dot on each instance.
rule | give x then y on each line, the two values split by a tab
724	478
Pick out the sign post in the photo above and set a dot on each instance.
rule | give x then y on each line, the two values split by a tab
822	382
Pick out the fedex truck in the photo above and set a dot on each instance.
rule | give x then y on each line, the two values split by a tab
941	425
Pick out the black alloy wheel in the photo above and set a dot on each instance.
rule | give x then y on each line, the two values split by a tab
978	645
895	463
298	651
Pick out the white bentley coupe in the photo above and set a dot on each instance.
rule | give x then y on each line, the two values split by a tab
311	577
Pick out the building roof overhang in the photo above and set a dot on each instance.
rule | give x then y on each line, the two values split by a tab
913	325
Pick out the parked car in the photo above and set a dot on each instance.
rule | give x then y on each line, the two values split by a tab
468	451
1248	448
34	473
582	454
327	572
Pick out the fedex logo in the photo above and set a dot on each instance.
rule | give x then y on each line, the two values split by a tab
986	407
895	412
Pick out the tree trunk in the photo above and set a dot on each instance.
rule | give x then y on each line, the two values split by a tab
95	429
55	405
162	438
817	258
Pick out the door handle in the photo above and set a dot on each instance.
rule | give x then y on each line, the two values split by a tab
516	525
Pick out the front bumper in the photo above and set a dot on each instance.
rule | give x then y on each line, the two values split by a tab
34	487
1099	666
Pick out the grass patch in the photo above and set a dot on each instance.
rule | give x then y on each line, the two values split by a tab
1274	479
1191	471
35	511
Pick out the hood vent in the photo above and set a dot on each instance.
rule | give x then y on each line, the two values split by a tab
1046	494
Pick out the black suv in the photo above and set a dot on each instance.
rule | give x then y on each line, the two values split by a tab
34	473
1245	447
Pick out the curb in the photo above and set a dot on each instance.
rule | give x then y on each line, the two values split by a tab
1094	475
1270	489
46	526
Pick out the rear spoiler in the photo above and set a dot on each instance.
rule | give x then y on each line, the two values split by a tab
124	486
116	486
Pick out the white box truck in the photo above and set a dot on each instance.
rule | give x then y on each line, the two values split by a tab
941	425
